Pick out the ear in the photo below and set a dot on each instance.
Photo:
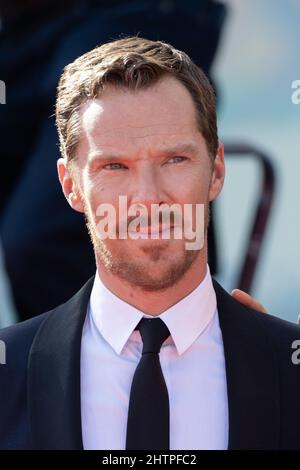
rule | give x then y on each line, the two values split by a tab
218	174
69	186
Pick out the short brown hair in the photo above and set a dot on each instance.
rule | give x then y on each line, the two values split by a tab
134	63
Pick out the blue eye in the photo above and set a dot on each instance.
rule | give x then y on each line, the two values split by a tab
177	159
114	166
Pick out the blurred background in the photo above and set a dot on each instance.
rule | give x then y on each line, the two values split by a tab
257	62
249	50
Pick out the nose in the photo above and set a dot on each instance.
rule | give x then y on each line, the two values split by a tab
147	188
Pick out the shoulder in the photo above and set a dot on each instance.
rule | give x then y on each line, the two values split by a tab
262	330
280	332
17	339
15	342
284	338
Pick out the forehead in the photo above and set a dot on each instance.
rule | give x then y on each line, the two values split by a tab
120	118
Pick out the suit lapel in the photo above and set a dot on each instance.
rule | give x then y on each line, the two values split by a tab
252	376
54	376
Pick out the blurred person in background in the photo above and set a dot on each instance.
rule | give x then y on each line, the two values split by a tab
46	247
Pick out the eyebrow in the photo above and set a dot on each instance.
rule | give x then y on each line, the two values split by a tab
187	147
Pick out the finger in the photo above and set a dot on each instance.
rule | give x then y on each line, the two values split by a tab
247	300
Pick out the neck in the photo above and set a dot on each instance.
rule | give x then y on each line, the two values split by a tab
156	302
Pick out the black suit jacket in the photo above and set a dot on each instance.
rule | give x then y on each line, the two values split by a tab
40	383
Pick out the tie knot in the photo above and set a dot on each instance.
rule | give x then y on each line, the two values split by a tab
154	332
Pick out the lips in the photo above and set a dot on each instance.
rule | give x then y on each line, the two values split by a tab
156	231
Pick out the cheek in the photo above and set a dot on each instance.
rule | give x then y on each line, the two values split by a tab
193	189
104	203
97	192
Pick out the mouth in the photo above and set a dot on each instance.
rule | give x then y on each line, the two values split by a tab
152	232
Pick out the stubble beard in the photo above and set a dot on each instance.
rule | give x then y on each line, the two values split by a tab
137	272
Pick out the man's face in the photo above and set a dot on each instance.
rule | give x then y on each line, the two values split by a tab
144	145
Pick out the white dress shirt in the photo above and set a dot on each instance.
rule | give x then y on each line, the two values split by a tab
192	361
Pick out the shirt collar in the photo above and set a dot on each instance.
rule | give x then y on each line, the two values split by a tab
116	320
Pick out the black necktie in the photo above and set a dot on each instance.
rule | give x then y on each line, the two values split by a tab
148	414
